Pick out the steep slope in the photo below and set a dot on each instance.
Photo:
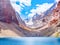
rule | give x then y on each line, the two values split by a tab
7	14
9	30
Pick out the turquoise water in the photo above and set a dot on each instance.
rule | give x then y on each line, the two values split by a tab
30	41
8	41
47	42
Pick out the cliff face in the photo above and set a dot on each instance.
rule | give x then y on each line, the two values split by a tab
7	14
56	14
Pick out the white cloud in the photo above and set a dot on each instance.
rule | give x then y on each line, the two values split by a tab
19	7
40	9
57	0
26	2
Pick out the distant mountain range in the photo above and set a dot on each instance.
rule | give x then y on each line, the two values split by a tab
50	9
38	17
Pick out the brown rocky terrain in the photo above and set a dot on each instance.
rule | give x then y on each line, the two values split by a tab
8	20
7	14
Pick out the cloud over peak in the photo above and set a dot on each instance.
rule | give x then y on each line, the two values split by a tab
40	9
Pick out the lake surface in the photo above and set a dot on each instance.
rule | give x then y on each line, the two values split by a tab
30	41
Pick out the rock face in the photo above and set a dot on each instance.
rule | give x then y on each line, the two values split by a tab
7	14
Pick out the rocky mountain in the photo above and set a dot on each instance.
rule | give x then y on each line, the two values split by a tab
50	9
7	13
38	19
20	21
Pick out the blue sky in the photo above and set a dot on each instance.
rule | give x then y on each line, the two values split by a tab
33	6
28	8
